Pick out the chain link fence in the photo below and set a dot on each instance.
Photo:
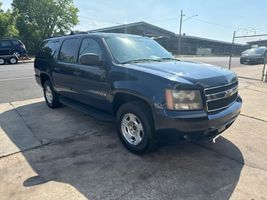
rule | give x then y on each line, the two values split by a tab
253	59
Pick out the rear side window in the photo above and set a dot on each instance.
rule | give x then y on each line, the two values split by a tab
5	43
68	50
49	48
16	42
52	45
90	46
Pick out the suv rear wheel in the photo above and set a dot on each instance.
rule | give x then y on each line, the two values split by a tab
135	128
51	97
13	60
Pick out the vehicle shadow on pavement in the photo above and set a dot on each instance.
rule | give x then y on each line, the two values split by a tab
88	155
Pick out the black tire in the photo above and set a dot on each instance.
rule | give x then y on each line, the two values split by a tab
13	60
2	61
149	140
52	102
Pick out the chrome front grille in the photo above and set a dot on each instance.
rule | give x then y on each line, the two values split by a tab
220	97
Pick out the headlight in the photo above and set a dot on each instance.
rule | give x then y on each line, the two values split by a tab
183	100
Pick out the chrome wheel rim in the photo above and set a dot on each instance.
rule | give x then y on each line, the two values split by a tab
2	61
132	129
13	60
48	94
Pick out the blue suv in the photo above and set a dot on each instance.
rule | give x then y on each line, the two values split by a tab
135	82
12	47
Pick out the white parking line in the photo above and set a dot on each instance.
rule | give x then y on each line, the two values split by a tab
13	79
6	70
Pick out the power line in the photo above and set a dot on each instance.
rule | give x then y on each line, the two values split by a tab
164	19
196	19
169	19
100	20
215	24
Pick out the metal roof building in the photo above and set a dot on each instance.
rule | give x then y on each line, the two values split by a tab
258	43
190	45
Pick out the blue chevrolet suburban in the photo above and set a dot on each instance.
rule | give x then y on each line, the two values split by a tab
137	83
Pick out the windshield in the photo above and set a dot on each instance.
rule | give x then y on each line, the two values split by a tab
256	51
127	49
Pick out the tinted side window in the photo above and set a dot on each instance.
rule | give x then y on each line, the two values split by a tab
52	45
68	50
5	43
90	46
48	49
16	42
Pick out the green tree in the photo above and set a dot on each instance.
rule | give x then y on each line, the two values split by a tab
40	19
7	24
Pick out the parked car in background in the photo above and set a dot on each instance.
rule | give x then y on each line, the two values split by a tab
136	82
11	59
253	56
12	47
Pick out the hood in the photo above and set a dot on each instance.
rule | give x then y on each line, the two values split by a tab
252	55
188	72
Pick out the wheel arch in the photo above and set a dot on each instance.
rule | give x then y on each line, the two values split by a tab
44	77
122	97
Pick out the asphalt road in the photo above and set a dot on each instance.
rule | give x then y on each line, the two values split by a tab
17	81
219	61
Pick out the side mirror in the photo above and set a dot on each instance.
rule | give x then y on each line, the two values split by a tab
90	59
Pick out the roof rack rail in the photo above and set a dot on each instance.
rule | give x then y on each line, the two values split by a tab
73	33
56	36
78	32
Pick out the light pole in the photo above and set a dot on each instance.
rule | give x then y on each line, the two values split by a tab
180	29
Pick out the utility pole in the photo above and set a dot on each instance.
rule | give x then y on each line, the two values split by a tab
232	47
180	32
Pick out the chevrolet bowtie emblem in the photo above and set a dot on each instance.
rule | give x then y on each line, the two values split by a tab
229	93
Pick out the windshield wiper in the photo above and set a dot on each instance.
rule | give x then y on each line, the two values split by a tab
140	60
175	59
148	59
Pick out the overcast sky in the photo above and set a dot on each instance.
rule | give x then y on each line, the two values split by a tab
216	19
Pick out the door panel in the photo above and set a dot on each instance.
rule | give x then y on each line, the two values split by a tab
64	79
90	82
62	71
86	84
90	85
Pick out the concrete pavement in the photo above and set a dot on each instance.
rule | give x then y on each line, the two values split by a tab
64	154
243	71
17	83
56	154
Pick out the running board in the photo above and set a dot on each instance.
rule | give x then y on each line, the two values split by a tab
97	114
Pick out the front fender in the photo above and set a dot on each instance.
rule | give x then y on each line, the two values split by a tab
154	96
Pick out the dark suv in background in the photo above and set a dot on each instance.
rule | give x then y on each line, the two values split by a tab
136	82
12	47
254	56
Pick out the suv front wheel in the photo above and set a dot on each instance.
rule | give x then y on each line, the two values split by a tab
135	128
51	97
